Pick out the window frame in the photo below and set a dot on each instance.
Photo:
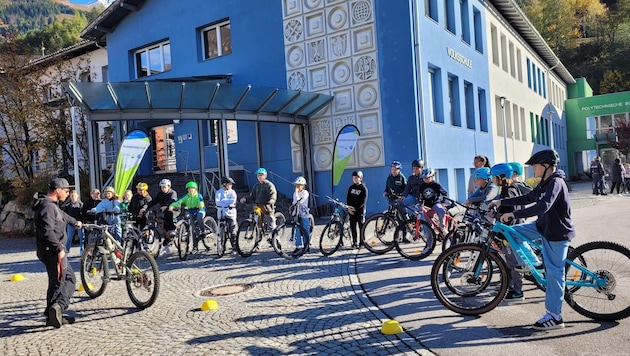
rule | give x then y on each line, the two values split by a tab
220	50
165	64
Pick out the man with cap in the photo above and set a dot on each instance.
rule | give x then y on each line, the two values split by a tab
264	195
356	199
50	231
395	183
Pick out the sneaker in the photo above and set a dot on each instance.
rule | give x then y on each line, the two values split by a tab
64	321
165	251
195	250
513	295
548	322
54	316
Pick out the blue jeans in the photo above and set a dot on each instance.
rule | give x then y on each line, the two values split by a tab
598	184
409	200
70	232
554	254
306	223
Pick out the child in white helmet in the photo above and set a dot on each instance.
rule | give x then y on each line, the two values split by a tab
300	203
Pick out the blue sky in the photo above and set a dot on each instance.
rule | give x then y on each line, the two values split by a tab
82	2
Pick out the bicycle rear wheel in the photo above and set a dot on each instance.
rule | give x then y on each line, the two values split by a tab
607	260
143	283
469	281
414	239
151	241
94	271
183	241
290	241
209	239
378	233
247	238
221	236
330	240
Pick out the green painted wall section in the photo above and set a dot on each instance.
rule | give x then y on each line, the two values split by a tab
580	89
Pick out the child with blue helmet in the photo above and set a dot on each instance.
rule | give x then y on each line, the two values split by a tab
486	190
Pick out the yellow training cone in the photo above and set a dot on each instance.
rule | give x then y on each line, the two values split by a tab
17	277
209	305
82	289
391	327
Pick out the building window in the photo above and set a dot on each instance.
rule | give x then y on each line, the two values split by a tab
163	147
523	125
211	138
504	57
478	31
153	59
435	95
534	80
495	45
453	101
516	126
449	8
544	86
469	102
529	74
430	9
512	63
217	40
519	66
463	12
539	81
500	113
483	110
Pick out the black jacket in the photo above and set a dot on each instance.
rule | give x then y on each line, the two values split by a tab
163	199
138	202
357	197
551	205
50	225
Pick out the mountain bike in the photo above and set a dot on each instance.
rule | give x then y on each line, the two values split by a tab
379	230
252	230
224	231
472	279
138	269
337	229
188	232
153	233
291	240
415	238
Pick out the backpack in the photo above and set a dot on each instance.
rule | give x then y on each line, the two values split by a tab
523	188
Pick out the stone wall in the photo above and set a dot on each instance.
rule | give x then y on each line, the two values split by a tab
16	219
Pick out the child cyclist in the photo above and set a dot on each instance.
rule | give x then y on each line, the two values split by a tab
431	194
554	226
110	208
300	203
486	189
193	201
502	176
225	200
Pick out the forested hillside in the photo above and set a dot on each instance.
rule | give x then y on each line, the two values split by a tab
26	15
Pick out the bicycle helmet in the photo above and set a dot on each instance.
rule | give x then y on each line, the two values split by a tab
143	186
482	173
417	163
396	164
226	180
165	182
300	180
109	189
427	173
516	168
545	156
261	171
501	170
191	185
357	174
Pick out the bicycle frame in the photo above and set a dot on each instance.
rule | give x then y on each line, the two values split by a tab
508	232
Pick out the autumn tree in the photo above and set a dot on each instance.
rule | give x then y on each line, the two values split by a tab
622	128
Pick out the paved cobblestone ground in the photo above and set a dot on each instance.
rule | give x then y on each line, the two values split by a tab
313	305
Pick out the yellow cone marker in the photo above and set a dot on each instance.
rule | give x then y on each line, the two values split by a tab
209	305
17	277
391	327
82	289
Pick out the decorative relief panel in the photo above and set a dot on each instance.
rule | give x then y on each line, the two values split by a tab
339	45
330	47
314	25
318	78
343	101
291	7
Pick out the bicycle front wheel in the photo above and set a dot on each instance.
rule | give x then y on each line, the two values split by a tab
210	227
143	279
414	239
330	240
290	241
94	271
469	281
151	241
221	242
184	240
247	238
610	262
378	233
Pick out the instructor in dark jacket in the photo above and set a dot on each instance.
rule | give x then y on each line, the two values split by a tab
50	231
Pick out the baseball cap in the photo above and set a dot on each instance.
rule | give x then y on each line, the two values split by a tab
58	183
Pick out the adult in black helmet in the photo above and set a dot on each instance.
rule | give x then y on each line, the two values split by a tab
395	183
410	195
554	226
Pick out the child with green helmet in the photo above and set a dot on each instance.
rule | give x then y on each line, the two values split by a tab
193	201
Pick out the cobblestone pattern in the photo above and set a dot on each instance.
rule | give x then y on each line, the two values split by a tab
313	305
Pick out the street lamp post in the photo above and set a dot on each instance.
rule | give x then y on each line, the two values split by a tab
502	102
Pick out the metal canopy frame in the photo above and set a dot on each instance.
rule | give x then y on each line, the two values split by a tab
193	100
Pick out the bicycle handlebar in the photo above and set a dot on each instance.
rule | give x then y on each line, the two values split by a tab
338	202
